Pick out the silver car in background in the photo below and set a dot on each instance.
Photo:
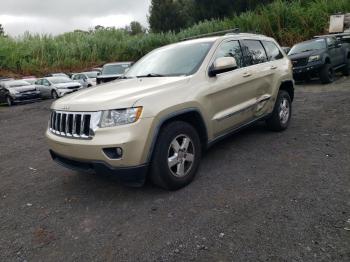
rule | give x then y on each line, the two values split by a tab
86	79
56	87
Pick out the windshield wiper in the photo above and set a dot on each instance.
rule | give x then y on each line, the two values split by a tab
151	75
124	77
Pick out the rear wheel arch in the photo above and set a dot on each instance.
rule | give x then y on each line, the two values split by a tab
191	116
288	86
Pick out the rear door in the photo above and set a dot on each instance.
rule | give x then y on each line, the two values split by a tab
263	71
232	94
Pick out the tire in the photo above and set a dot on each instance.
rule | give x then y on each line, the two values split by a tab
54	95
9	101
346	68
282	113
327	74
180	142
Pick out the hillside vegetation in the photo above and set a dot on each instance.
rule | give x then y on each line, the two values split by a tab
287	21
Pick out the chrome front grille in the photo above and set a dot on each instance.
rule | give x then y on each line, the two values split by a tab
73	124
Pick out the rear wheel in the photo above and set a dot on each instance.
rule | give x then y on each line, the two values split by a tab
54	95
282	113
9	101
176	157
327	74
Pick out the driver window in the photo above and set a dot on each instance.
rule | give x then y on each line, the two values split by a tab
231	49
46	83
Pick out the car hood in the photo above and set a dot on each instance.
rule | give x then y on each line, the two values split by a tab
22	89
306	54
67	85
122	93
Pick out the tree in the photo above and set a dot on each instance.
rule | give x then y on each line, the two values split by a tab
169	15
2	31
136	28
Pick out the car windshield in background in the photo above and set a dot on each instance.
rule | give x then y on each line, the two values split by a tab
14	84
308	46
175	60
60	80
92	74
118	69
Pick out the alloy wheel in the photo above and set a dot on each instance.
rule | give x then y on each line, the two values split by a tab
181	156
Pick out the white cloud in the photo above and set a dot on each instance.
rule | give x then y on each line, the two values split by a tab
113	20
54	17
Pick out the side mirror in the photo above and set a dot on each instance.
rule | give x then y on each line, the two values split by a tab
222	65
338	45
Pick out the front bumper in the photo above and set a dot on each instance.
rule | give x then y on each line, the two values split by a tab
21	98
134	140
133	176
310	68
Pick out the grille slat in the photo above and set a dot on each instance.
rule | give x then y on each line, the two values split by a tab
68	124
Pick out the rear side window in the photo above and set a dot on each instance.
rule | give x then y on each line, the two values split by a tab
273	52
231	49
254	52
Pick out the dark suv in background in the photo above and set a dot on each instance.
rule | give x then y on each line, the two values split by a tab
320	57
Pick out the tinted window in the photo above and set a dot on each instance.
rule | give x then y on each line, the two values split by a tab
255	52
231	49
39	82
273	53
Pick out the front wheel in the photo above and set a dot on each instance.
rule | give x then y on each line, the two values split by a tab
282	113
176	157
327	74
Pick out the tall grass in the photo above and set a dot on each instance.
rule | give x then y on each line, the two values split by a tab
287	21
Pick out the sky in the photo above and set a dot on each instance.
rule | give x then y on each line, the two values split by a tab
58	16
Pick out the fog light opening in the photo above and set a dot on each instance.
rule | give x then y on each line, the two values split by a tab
113	152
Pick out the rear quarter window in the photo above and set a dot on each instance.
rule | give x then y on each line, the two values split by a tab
272	51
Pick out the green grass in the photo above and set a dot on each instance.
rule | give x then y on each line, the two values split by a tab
287	21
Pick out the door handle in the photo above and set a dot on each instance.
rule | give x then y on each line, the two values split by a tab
273	67
247	74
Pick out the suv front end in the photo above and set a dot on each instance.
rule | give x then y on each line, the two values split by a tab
103	141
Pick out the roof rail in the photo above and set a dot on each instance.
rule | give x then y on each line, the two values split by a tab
218	33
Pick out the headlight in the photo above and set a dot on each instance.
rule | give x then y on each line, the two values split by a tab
314	58
120	117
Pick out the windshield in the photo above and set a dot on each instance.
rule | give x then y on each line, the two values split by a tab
308	46
174	60
117	69
91	74
59	80
18	84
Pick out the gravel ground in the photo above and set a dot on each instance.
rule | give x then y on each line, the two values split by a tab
258	196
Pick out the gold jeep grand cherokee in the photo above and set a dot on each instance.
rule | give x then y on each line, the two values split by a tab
170	106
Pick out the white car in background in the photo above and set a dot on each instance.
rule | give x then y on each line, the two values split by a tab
86	79
56	87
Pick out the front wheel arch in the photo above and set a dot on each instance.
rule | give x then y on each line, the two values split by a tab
191	116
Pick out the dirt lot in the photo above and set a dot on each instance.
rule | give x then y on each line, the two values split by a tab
259	196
